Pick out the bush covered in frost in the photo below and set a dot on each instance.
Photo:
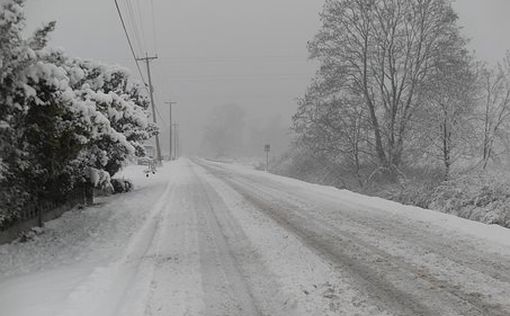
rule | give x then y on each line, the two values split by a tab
478	196
121	185
64	122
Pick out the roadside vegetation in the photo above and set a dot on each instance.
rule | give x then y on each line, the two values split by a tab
65	122
400	108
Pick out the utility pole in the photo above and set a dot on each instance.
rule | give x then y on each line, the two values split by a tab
147	59
176	140
172	157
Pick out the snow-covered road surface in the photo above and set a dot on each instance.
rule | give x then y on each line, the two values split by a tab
204	238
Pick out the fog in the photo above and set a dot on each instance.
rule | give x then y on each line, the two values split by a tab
390	195
251	54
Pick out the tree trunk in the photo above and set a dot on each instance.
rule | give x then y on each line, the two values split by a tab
446	146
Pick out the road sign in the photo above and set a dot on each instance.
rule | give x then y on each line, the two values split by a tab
267	148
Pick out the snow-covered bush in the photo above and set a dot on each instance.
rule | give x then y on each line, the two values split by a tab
64	122
15	56
479	196
121	185
122	103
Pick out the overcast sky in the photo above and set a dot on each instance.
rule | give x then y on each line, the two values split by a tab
251	53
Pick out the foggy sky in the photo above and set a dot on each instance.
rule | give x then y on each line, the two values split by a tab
211	53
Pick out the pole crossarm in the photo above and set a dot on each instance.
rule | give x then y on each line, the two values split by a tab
147	58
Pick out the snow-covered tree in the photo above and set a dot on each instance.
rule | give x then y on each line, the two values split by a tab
444	127
384	51
14	56
333	126
124	105
494	112
64	121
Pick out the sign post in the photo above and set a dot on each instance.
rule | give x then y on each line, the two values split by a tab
267	148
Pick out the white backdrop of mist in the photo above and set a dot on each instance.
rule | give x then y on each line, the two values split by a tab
212	53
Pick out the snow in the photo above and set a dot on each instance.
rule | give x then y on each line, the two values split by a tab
74	252
100	179
12	15
494	234
3	169
307	278
205	238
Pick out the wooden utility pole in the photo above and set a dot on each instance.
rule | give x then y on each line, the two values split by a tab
176	140
147	59
172	154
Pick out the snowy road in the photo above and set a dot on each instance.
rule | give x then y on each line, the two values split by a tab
204	238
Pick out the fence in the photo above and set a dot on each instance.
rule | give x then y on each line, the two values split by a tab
35	214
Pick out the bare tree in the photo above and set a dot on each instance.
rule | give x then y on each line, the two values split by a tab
449	98
384	51
495	110
334	127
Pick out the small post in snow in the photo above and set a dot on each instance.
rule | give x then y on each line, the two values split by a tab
172	154
267	148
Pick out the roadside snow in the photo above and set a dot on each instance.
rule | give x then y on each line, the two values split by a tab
495	234
37	276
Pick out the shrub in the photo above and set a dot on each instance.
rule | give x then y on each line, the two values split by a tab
121	185
478	196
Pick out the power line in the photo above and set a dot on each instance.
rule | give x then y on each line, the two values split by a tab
243	77
153	27
160	116
134	25
276	56
130	44
236	59
246	59
138	8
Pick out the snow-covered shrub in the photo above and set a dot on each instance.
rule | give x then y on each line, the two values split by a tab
121	185
60	117
100	179
479	196
123	105
30	235
409	193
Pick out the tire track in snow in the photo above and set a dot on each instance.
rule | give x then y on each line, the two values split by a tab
305	283
226	291
106	290
398	230
313	233
466	271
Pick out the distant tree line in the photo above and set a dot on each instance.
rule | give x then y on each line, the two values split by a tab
64	122
396	88
229	133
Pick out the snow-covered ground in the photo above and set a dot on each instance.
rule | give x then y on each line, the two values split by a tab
205	238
